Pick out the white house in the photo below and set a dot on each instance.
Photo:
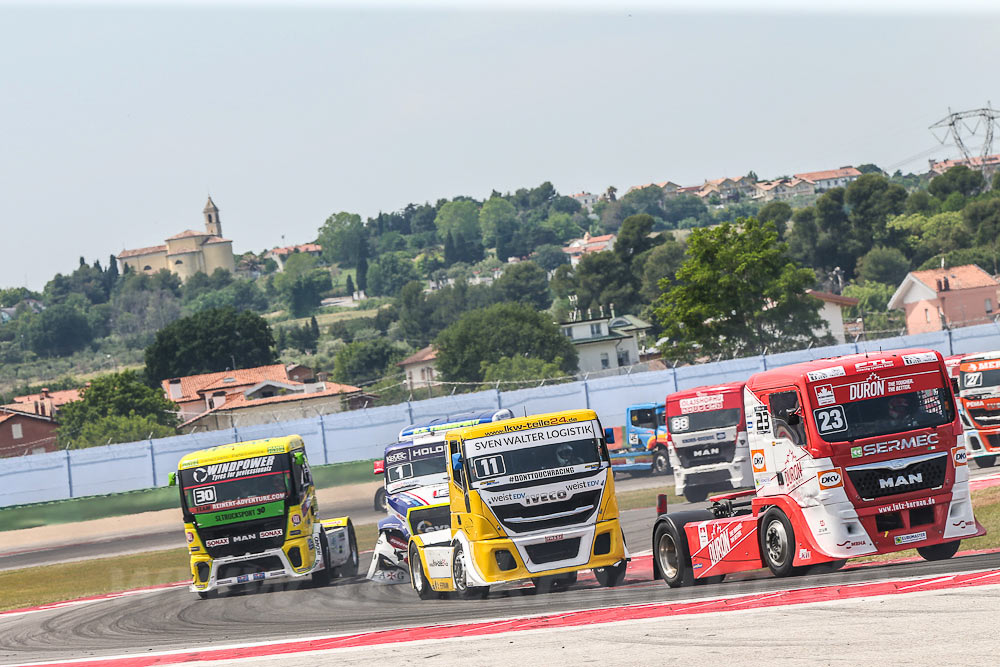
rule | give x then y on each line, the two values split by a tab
831	178
832	312
606	343
419	368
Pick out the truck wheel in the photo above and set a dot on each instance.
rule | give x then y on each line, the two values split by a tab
985	461
942	551
715	579
380	504
324	575
350	568
205	595
458	575
777	542
661	463
420	583
611	575
695	494
671	554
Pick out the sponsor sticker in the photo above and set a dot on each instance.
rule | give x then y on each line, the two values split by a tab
826	373
856	452
189	536
990	365
910	538
296	519
701	403
871	365
830	420
702	536
960	456
758	460
217	542
906	505
554	538
233	469
824	394
872	387
264	534
830	479
805	554
919	358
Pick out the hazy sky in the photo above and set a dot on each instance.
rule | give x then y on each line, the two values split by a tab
117	120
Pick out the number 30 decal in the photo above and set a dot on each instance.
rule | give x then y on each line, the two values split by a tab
830	420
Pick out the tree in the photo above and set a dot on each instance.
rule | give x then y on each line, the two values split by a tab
502	330
362	271
982	218
960	179
737	293
519	369
342	236
58	331
601	279
871	200
778	212
883	265
459	219
117	406
388	274
212	340
550	256
525	283
350	285
633	238
497	213
365	361
302	284
661	264
869	168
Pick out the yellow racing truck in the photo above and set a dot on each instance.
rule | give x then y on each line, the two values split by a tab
250	515
529	498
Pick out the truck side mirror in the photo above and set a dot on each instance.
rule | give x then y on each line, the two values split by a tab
172	479
378	467
299	457
609	436
456	462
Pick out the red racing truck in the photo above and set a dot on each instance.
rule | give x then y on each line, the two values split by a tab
707	440
851	456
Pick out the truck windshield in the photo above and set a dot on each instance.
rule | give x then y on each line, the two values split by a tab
701	421
974	380
647	418
895	413
403	466
540	462
234	484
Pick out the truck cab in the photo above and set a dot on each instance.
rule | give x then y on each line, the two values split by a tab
851	456
979	403
643	447
708	440
415	478
250	515
530	498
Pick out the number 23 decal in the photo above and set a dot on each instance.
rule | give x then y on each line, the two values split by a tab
762	420
830	420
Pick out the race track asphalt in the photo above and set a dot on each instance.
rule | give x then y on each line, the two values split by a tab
175	618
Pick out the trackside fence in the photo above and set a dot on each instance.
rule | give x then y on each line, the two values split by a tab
362	434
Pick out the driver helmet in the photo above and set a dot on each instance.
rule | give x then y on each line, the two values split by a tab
899	407
564	454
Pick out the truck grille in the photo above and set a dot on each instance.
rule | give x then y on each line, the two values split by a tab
578	509
706	453
881	481
232	546
987	417
425	519
549	552
266	564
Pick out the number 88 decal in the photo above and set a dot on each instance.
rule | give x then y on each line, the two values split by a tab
830	420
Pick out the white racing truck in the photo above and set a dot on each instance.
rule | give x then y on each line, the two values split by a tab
416	490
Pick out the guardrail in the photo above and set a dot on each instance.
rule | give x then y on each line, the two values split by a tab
363	434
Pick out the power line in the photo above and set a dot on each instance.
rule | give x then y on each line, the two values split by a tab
956	124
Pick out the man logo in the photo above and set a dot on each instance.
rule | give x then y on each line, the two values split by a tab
900	480
708	451
758	461
830	479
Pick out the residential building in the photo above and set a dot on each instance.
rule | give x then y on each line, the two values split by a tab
831	178
271	401
783	189
988	165
728	189
195	394
187	253
942	298
281	255
586	199
45	403
23	433
832	313
606	343
577	248
420	368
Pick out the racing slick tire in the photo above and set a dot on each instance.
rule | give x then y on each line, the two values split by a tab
418	577
777	543
324	575
381	503
661	462
942	551
695	494
350	568
671	558
458	575
611	575
985	461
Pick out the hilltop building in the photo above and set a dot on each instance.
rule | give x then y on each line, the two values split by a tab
187	253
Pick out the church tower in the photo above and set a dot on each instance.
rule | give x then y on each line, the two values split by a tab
212	224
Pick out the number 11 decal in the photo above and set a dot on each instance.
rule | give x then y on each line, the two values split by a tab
489	466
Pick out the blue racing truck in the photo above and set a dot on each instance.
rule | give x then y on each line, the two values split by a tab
643	441
416	490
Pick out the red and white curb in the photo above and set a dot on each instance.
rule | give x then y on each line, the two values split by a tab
548	621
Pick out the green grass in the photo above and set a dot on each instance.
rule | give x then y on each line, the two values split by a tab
641	498
148	500
32	586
